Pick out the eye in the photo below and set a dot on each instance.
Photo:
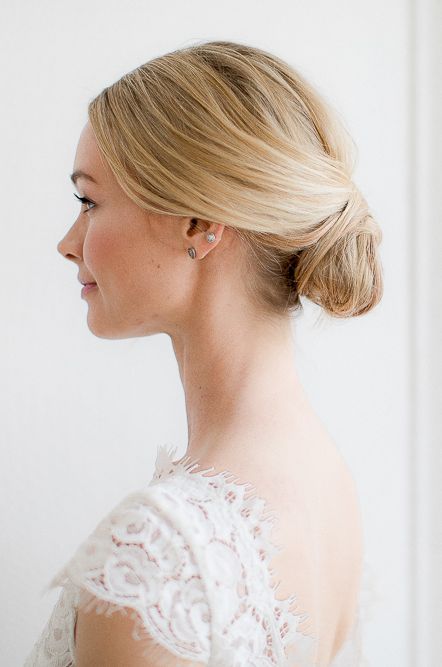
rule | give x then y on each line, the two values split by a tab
85	200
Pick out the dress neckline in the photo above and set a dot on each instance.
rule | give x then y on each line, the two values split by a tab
242	495
261	518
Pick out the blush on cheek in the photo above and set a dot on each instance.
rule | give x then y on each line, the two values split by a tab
100	254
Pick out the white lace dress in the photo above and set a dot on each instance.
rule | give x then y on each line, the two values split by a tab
190	555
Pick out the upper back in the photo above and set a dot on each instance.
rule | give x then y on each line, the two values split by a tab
320	531
316	533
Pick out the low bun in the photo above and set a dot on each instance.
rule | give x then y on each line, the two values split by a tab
341	270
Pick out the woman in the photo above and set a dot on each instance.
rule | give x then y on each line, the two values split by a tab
216	189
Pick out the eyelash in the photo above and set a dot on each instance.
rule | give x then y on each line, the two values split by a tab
84	200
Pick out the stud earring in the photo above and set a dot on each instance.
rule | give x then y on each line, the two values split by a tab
210	238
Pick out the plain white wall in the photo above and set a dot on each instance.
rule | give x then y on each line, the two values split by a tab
426	320
82	417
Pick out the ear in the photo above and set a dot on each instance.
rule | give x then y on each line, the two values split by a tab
195	231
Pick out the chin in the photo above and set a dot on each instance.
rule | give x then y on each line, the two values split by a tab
103	330
115	332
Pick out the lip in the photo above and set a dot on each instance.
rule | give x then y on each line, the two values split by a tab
87	288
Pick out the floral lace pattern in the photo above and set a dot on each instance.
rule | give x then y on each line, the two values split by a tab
190	556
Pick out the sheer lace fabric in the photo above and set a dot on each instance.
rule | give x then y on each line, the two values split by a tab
190	556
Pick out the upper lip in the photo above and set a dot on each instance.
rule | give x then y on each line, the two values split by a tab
86	282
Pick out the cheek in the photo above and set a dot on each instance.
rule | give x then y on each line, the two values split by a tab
99	252
121	262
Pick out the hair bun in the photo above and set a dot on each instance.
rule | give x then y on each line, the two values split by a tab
342	271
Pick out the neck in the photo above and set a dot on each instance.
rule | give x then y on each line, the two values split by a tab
242	392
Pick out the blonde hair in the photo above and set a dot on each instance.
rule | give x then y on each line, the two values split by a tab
230	133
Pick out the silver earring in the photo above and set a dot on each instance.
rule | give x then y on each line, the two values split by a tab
192	252
211	237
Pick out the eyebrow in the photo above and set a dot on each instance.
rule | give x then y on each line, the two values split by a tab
81	174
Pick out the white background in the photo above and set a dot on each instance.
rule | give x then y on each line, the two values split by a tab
81	417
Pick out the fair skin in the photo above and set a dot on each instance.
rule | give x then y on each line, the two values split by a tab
246	409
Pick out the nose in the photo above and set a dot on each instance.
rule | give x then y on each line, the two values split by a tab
62	248
71	243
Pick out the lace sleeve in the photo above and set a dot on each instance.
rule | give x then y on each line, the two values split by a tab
137	558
